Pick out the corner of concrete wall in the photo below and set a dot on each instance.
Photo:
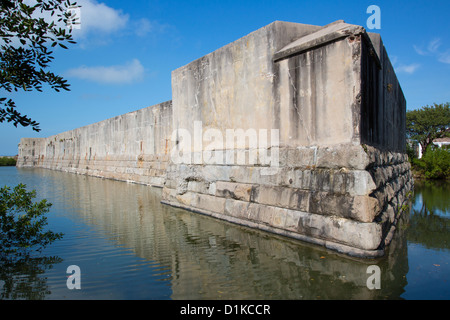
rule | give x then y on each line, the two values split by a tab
383	108
329	183
31	152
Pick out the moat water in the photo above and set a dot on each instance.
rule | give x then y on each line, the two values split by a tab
129	246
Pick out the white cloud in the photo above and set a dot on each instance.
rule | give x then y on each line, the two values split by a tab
430	48
402	68
93	16
143	27
433	50
410	69
420	51
434	45
96	22
120	74
98	17
393	59
445	57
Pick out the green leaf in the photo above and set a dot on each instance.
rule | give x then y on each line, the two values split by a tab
18	66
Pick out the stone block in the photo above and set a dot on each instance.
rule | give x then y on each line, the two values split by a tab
359	208
212	188
292	220
278	217
214	172
168	194
253	210
360	183
366	236
209	203
364	209
234	190
236	209
198	186
283	197
348	156
301	157
243	191
266	214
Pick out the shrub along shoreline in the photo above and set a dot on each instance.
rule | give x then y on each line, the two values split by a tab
7	161
434	164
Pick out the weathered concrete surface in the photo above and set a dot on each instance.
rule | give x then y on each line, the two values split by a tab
221	88
131	147
333	97
293	129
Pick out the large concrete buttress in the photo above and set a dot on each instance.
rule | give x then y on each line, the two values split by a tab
293	129
332	96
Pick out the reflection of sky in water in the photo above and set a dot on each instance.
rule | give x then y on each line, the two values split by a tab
418	201
429	273
129	246
429	244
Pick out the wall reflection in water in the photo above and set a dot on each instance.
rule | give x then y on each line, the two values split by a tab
210	259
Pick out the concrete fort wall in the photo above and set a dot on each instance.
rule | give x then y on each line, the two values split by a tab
320	153
293	129
131	147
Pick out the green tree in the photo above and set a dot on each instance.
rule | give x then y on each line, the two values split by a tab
7	161
428	123
22	221
27	33
435	163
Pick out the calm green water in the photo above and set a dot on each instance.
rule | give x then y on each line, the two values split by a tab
129	246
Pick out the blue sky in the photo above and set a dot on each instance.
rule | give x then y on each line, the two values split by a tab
126	51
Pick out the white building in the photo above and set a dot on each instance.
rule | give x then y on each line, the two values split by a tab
440	142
